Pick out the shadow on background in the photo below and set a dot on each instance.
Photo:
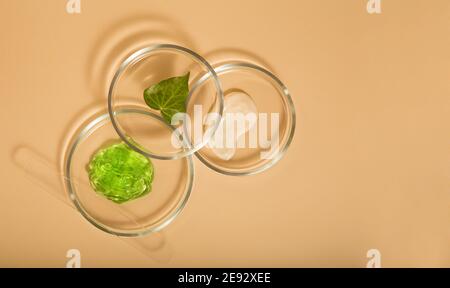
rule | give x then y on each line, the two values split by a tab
227	55
124	37
40	170
114	44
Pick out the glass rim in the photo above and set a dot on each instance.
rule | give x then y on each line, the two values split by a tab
82	134
232	65
131	60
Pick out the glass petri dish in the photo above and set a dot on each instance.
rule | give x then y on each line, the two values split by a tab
137	217
149	66
244	144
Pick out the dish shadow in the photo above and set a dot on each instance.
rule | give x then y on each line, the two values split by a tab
227	55
113	45
40	170
124	37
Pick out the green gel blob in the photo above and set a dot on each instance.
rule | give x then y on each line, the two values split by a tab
120	173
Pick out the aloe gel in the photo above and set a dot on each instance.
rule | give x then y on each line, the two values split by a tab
120	174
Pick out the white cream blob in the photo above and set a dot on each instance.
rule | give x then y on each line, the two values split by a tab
234	104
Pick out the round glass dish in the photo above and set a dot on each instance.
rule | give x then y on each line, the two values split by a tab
260	141
149	66
171	186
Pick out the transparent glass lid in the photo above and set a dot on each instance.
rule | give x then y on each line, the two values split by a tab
258	122
170	188
151	66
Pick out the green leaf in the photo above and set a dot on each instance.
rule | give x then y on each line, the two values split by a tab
168	96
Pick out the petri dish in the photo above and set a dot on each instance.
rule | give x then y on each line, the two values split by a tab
258	122
137	217
149	66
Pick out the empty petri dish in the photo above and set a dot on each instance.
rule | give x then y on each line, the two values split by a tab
171	186
147	67
257	125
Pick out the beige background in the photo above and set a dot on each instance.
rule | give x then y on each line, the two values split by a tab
368	168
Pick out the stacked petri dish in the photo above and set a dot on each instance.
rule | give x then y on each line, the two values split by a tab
237	118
